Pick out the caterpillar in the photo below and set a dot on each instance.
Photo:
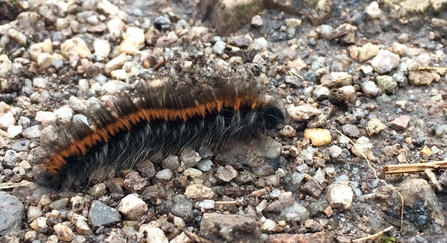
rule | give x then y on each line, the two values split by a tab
155	121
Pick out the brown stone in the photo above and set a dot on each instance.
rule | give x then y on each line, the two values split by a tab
227	16
239	228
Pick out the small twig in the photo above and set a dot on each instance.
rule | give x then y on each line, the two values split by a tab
295	74
376	235
334	82
9	185
428	68
377	177
226	202
409	168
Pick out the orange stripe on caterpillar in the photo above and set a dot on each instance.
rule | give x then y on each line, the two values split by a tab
157	122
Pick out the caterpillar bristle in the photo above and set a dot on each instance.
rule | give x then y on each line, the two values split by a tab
154	122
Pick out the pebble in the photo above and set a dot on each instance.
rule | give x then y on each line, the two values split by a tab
340	196
115	63
30	236
420	78
295	212
417	192
219	47
199	192
189	157
119	74
45	117
179	206
133	40
101	47
398	48
293	22
335	151
10	216
373	10
31	132
350	95
162	23
400	123
181	238
268	225
64	114
165	174
370	89
171	162
374	126
320	93
40	82
325	31
146	168
113	87
287	131
205	165
5	65
387	84
206	204
11	159
318	136
385	61
350	130
258	44
240	40
7	120
193	173
363	148
45	60
226	173
98	190
256	21
74	49
230	227
364	53
100	214
63	232
59	204
303	112
153	234
132	207
33	213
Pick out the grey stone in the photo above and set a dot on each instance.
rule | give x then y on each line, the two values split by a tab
221	228
180	206
101	214
11	213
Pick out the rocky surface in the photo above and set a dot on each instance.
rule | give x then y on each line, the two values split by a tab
359	80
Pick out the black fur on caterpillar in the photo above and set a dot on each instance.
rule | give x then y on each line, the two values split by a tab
156	121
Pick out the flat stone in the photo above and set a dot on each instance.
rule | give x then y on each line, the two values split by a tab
101	214
364	53
11	213
259	155
400	123
237	228
303	112
229	16
319	237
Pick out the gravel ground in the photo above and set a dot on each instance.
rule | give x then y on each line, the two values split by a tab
362	89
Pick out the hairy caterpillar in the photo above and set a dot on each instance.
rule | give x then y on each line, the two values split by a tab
155	122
